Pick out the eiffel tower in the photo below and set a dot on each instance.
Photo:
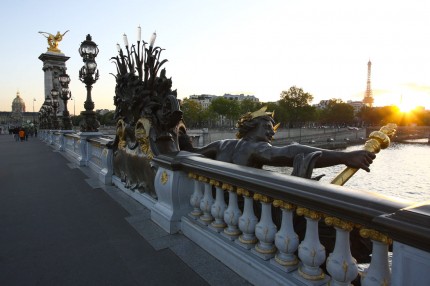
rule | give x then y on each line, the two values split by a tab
368	98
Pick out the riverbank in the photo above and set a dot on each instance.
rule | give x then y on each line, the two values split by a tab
328	138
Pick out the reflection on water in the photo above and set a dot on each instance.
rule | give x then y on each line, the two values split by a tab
402	171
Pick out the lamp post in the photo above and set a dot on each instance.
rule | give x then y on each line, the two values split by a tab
46	113
33	109
65	95
55	105
89	74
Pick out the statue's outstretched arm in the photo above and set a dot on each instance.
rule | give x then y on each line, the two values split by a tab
357	159
209	151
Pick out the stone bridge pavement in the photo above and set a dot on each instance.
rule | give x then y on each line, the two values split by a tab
60	226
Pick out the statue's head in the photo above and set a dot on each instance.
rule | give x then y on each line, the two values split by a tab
258	125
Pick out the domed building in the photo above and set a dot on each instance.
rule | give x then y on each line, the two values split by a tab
18	116
18	109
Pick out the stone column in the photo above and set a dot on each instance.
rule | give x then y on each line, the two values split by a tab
54	64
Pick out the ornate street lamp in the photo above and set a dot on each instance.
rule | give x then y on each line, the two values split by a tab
46	110
55	105
89	74
65	95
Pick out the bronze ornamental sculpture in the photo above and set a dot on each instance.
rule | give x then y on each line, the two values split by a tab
149	123
147	112
253	149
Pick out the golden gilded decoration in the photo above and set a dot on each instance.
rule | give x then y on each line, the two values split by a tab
308	213
265	251
227	187
283	205
311	277
378	140
193	176
203	179
293	262
141	133
214	182
336	222
120	133
164	177
375	235
243	192
263	198
53	40
251	241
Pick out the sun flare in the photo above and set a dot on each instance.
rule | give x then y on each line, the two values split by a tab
406	107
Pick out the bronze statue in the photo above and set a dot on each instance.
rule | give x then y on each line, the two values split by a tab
148	115
53	40
253	149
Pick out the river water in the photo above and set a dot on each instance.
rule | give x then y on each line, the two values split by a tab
401	171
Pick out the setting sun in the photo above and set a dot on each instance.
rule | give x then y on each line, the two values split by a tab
406	106
410	102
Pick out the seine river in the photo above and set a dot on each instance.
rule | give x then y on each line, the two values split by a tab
401	170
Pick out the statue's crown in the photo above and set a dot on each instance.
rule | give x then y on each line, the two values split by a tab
251	115
259	113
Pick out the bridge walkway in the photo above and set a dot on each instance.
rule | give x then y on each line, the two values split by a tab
60	226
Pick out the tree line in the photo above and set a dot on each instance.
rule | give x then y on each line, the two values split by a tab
292	110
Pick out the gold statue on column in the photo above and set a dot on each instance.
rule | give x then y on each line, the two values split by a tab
53	40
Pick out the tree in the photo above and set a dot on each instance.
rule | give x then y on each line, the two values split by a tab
76	119
192	113
107	118
337	112
248	105
295	104
227	108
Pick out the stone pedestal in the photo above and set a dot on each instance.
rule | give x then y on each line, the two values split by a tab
54	64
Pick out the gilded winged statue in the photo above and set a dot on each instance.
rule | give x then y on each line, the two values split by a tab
53	40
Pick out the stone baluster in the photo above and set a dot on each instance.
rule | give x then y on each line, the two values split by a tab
62	142
311	251
247	221
196	197
265	229
378	272
218	208
231	214
286	240
341	266
206	202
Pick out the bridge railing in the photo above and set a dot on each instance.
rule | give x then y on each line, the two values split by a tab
274	229
249	219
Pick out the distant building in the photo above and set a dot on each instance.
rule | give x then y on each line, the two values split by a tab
240	97
102	111
357	105
17	116
204	99
368	97
322	104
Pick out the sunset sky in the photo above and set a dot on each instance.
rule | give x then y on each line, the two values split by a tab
217	46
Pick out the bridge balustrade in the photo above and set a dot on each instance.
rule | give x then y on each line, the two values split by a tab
71	145
246	218
231	215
